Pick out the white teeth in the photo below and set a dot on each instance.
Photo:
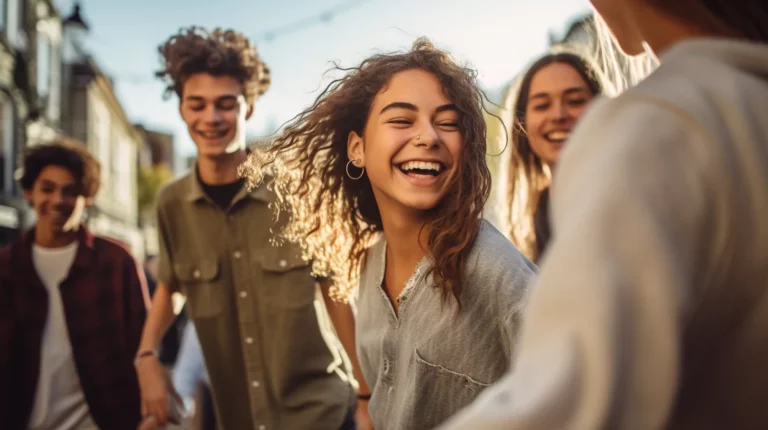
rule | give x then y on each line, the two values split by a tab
558	135
421	165
213	134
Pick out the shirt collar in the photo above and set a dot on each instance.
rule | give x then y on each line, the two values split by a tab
85	248
195	191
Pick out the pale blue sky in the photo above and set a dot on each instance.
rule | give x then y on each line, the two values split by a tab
497	37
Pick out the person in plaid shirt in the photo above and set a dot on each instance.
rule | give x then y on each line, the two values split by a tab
72	306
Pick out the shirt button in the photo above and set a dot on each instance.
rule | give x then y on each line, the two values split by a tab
243	294
283	263
249	340
196	274
255	384
237	255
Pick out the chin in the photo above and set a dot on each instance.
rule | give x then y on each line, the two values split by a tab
632	49
421	203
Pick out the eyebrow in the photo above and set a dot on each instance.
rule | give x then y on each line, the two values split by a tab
412	107
49	183
569	91
202	99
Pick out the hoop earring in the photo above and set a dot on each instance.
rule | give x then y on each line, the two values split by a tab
352	177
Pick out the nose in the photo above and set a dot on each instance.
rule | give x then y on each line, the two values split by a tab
559	113
426	137
212	114
57	197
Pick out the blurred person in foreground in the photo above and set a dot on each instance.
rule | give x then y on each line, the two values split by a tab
651	308
252	301
72	306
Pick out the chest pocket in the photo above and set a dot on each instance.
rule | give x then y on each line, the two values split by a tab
288	282
201	282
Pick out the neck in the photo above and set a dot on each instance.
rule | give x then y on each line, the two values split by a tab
49	238
666	30
220	170
406	238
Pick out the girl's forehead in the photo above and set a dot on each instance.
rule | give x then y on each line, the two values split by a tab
415	86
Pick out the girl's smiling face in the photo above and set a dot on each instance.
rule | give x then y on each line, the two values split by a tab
412	143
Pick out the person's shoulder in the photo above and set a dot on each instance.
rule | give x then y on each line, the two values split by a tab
112	249
494	255
6	253
174	190
374	258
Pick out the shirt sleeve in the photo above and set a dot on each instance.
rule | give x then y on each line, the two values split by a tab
165	274
137	299
600	343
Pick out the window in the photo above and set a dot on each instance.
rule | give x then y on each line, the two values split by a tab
4	6
123	164
102	137
7	156
44	53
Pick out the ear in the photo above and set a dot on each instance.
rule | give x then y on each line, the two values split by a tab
356	149
88	202
249	112
28	196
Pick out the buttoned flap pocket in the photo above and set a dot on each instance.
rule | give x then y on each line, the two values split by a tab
201	282
288	281
441	390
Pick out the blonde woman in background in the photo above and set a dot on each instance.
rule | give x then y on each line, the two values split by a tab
549	100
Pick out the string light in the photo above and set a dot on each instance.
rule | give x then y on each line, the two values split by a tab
324	17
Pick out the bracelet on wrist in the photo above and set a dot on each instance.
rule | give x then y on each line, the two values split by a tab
142	355
364	396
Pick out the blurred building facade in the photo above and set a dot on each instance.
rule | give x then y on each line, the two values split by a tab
51	86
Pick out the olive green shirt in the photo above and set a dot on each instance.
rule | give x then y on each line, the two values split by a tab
255	309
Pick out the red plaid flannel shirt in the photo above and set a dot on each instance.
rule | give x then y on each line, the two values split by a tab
105	300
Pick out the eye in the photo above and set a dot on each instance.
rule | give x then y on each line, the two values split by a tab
402	122
196	108
226	105
541	107
453	125
577	102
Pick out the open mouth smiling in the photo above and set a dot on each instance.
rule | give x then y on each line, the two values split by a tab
557	136
422	168
216	134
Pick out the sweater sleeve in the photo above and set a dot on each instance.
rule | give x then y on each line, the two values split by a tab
601	335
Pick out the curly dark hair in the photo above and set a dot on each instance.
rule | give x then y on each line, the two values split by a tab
65	153
335	218
220	52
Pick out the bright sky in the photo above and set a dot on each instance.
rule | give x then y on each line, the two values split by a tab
497	37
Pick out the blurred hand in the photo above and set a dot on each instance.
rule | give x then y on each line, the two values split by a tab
157	393
362	418
149	423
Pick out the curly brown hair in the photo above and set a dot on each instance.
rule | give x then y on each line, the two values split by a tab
334	218
219	52
63	152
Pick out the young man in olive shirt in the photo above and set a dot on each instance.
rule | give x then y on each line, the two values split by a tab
252	303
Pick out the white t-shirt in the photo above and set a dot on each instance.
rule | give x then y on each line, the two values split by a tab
59	402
